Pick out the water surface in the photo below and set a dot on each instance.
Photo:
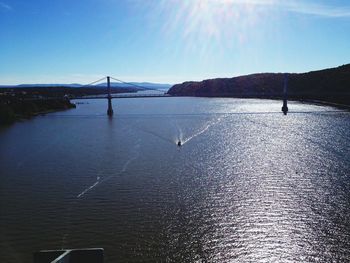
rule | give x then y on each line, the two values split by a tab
248	184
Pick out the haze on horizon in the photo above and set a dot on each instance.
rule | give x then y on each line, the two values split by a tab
168	41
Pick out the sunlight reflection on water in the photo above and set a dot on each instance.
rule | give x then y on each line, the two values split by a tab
244	187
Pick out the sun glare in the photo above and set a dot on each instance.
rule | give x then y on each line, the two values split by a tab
208	22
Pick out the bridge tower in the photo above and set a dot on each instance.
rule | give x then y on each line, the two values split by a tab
109	97
285	92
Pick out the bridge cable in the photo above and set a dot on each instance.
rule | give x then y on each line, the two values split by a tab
133	84
92	83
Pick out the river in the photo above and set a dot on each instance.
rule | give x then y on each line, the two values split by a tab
248	184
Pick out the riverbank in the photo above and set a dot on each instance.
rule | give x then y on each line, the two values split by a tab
327	103
329	85
13	109
342	106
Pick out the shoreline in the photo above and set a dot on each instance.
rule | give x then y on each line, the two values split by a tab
15	110
326	103
35	114
304	101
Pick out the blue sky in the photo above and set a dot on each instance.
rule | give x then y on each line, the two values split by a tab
168	41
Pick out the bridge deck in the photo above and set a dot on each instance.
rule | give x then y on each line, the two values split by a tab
123	96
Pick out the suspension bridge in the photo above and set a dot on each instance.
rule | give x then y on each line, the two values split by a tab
159	93
109	95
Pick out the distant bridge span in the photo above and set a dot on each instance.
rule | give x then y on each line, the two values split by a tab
123	96
109	96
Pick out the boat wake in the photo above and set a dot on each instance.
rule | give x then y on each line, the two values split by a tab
200	131
100	180
89	188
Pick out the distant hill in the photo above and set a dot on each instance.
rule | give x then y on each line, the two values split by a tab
331	85
141	85
134	85
73	85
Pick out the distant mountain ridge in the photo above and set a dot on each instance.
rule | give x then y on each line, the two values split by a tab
141	85
73	85
331	85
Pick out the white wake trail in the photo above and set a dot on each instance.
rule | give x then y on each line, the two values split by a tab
203	130
124	168
89	188
179	132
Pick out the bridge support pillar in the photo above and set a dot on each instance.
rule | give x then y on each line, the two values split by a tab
285	106
110	109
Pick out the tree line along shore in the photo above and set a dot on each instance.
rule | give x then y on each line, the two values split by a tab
12	108
328	85
24	102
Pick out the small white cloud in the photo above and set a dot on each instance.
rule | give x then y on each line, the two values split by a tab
5	6
298	6
318	9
